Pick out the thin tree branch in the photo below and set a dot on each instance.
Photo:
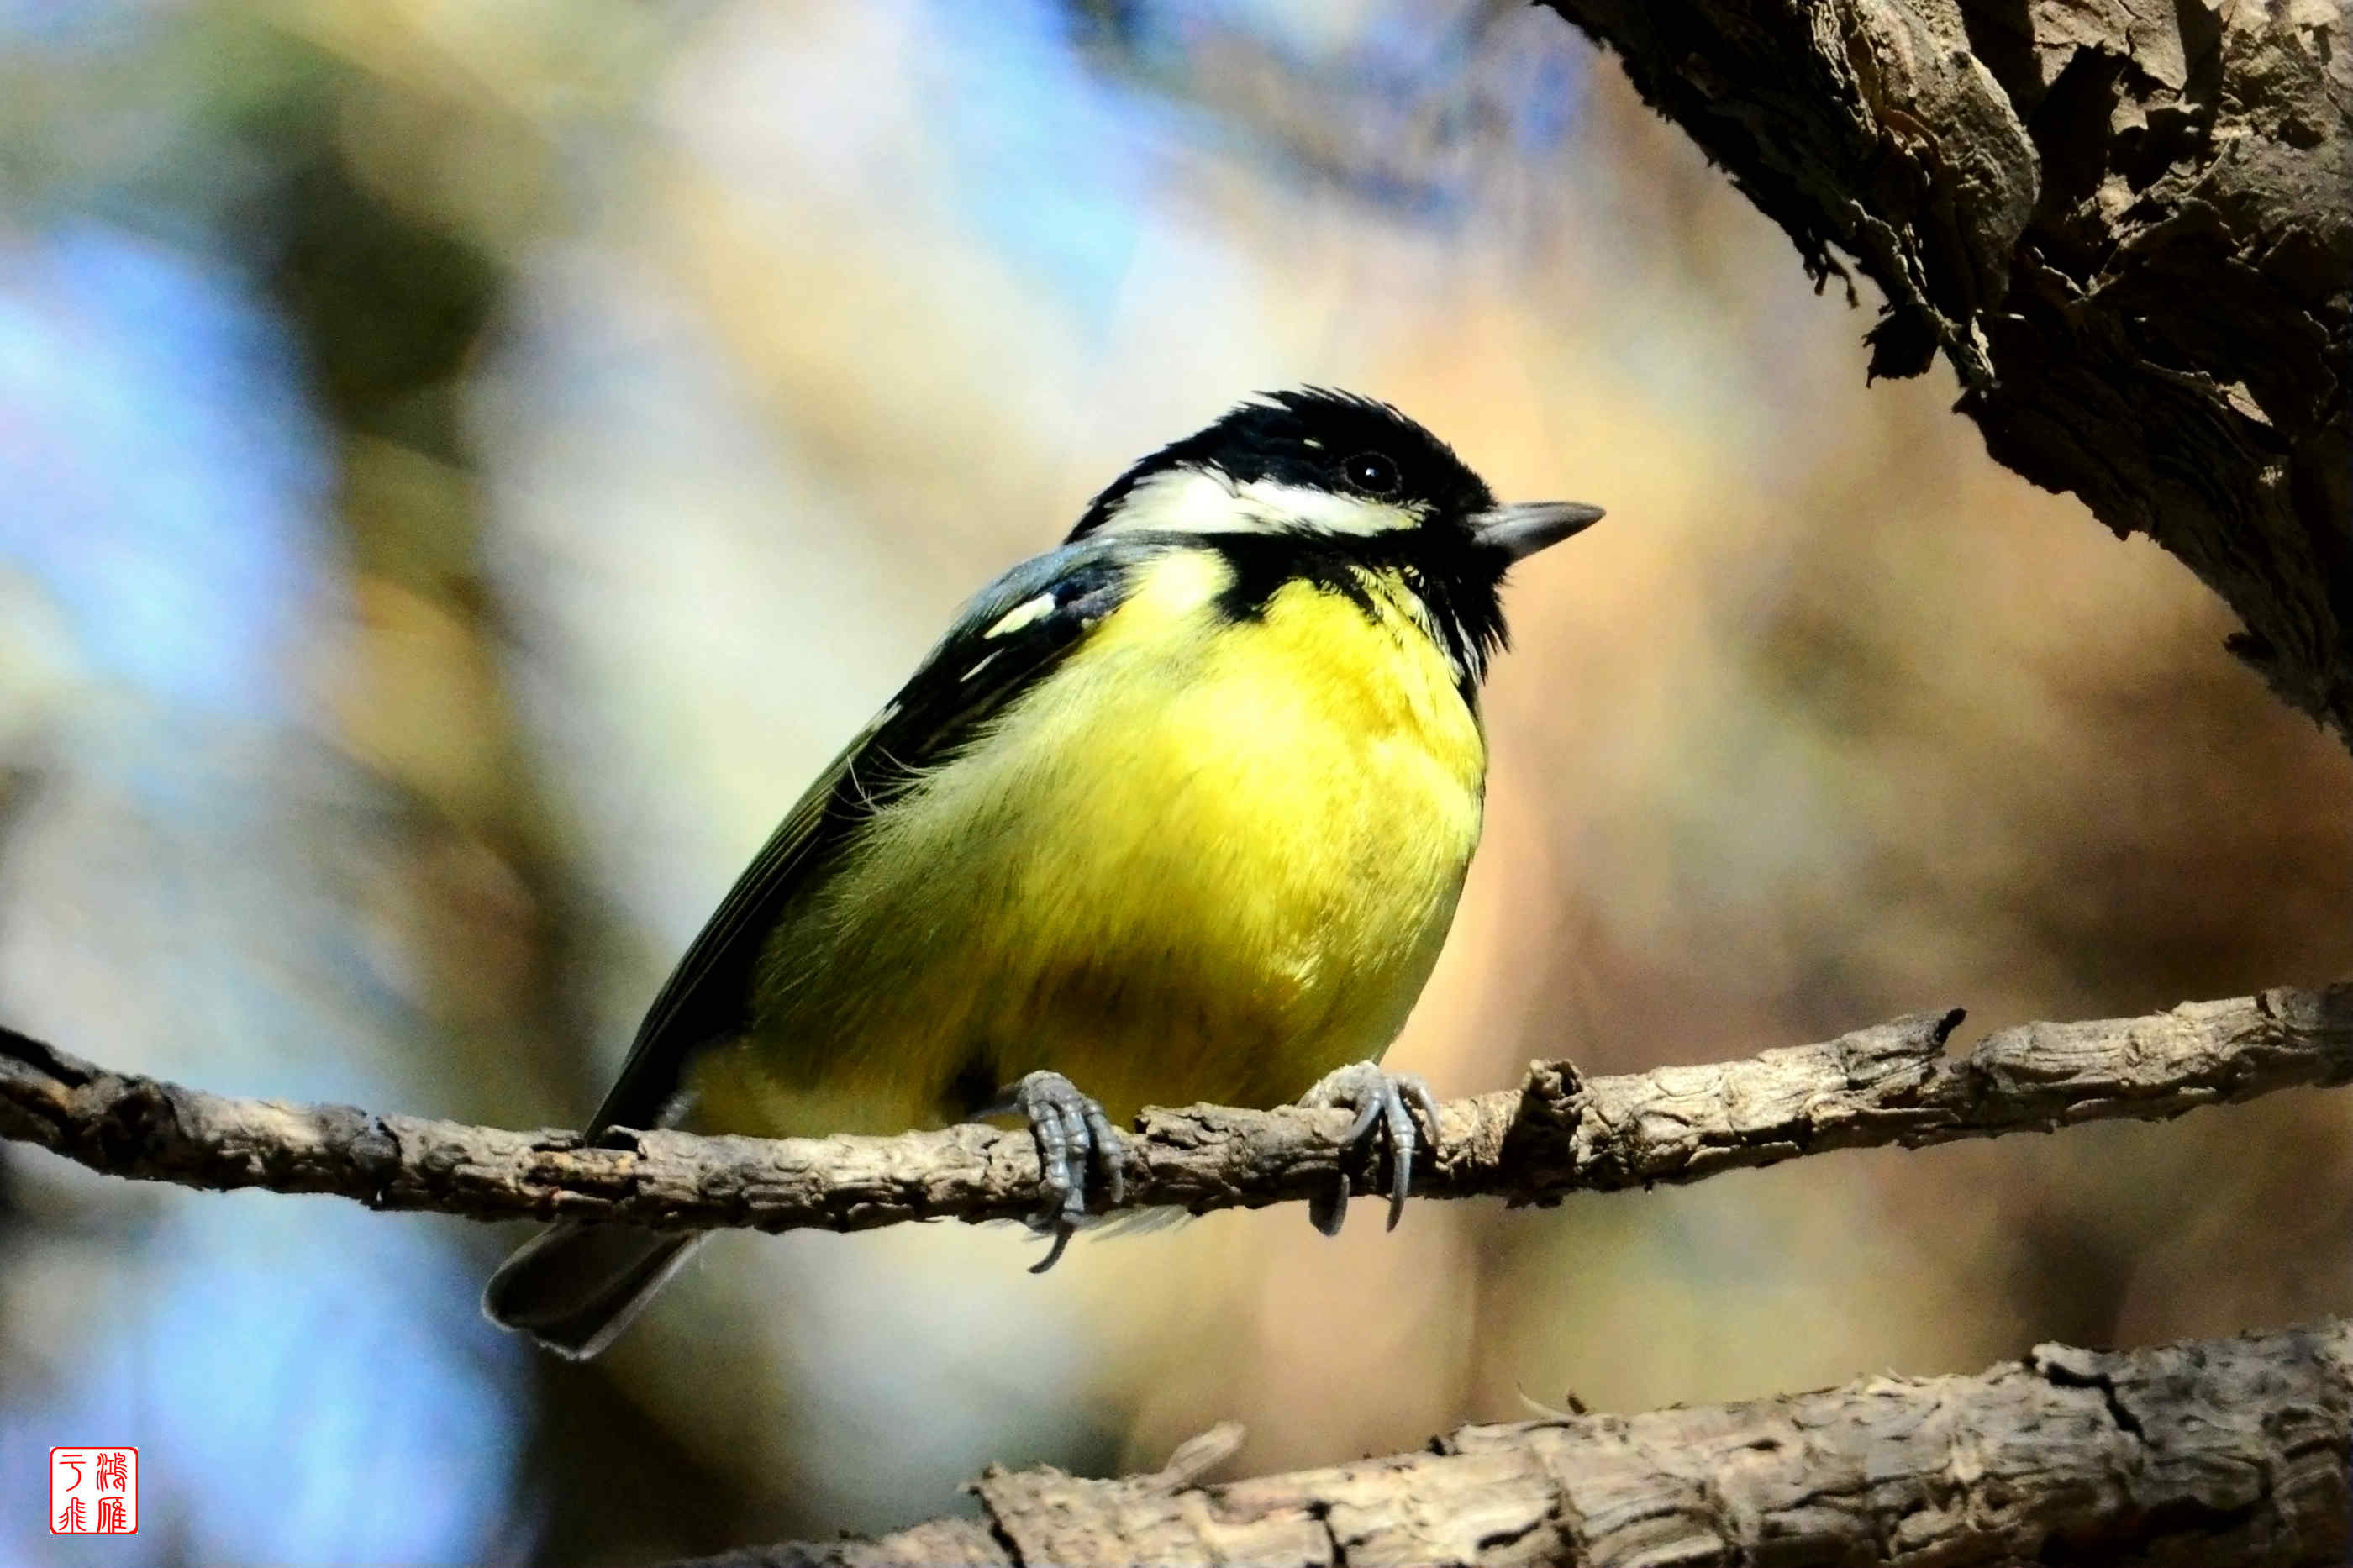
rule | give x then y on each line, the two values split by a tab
2226	1453
1558	1134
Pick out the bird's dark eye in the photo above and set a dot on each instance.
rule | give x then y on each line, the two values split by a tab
1371	472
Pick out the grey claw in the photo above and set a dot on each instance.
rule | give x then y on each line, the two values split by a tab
1064	1231
1112	1149
1406	1091
1073	1135
1389	1099
1071	1132
1414	1084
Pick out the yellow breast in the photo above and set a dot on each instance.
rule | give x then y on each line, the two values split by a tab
1202	861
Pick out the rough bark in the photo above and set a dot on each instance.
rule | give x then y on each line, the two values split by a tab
2215	1455
2129	228
2224	1454
1557	1134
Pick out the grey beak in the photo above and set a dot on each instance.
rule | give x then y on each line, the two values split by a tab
1521	529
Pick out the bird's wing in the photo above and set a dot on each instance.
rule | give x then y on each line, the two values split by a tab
1012	633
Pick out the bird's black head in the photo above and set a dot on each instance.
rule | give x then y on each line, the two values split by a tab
1327	486
1305	460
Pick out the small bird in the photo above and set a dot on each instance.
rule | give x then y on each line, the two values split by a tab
1177	812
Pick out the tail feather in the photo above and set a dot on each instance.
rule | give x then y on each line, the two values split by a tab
574	1288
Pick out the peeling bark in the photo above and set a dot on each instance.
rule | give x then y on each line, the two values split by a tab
2129	229
2222	1453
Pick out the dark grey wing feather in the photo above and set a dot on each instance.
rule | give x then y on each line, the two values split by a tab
969	678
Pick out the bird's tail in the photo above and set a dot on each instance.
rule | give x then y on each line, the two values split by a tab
574	1288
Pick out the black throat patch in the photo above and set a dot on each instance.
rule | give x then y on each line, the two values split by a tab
1459	591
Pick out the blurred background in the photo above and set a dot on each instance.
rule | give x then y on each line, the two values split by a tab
463	468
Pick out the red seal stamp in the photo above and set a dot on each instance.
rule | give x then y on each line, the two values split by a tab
93	1491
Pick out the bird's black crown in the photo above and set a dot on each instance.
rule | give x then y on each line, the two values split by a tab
1319	438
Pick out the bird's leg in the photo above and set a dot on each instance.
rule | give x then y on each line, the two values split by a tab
1072	1133
1377	1096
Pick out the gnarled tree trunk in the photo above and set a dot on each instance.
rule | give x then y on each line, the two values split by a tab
2129	229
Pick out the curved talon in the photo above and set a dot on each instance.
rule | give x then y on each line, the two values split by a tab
1388	1099
1073	1134
1064	1231
1417	1089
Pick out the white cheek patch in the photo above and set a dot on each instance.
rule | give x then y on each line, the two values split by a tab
1204	501
1182	501
1326	511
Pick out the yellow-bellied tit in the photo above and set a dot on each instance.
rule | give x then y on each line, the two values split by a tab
1177	812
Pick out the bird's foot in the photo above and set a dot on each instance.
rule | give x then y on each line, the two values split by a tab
1389	1099
1073	1134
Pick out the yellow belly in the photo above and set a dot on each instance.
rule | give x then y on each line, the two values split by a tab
1191	868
